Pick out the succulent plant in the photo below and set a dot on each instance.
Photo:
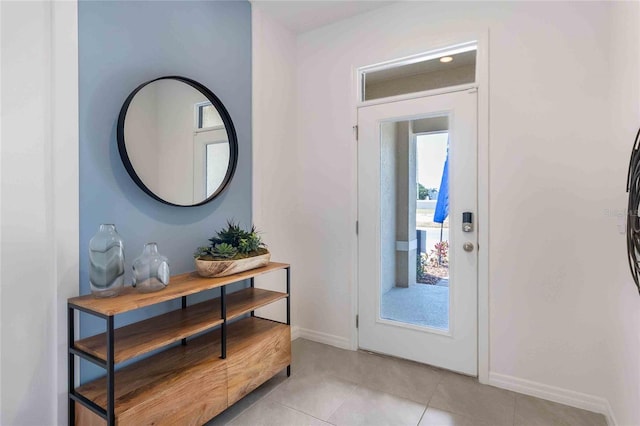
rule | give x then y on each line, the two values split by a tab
232	242
202	252
251	243
224	250
232	234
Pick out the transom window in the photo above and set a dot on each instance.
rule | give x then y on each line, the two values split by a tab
437	69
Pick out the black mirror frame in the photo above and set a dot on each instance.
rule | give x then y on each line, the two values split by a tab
226	120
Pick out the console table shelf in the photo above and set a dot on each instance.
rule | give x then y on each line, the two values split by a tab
188	383
181	285
153	333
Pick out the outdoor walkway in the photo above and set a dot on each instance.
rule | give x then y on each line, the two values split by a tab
419	304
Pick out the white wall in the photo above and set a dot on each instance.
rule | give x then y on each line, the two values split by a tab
39	206
276	190
622	313
562	306
1	118
142	127
175	144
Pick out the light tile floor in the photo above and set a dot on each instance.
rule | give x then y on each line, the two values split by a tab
330	386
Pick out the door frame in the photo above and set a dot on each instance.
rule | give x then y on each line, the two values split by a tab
482	85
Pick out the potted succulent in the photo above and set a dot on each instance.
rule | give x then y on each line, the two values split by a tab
232	250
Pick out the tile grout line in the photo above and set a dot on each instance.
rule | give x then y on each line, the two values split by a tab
433	394
423	413
372	389
351	392
395	395
301	412
262	398
456	412
355	385
365	387
304	412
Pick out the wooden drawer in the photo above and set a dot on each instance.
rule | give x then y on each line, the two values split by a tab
258	349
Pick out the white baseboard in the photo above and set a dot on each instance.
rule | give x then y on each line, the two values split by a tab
551	393
317	336
295	332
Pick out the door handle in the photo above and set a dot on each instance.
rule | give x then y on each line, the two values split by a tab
468	246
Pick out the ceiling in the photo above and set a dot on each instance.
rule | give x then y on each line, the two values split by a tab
302	16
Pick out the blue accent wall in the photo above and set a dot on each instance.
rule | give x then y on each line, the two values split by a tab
121	45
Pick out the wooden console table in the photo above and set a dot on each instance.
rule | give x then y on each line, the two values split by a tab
183	384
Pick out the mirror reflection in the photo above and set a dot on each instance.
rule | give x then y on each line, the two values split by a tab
176	143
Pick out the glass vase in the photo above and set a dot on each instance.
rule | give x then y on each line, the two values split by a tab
106	262
150	270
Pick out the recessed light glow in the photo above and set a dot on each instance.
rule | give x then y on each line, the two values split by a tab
446	59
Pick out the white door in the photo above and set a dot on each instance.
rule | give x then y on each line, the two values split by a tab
210	161
433	321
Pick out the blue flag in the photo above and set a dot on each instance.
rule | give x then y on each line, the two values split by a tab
442	205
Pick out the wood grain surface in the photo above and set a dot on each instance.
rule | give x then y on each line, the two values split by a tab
183	385
223	268
179	285
139	338
257	350
250	299
188	385
86	417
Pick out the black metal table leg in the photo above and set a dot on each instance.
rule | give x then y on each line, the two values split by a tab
288	295
253	284
71	372
289	308
223	309
184	306
111	414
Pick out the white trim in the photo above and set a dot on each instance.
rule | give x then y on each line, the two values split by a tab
208	129
414	95
482	70
435	132
425	328
568	397
65	178
609	414
421	57
406	245
319	337
196	118
295	332
353	241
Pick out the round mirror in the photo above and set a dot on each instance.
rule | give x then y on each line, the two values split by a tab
177	141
